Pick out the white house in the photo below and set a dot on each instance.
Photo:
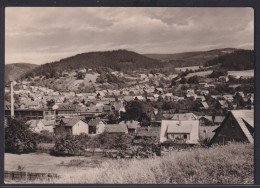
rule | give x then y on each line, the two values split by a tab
73	126
186	131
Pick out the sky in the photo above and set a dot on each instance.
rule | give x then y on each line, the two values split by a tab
45	34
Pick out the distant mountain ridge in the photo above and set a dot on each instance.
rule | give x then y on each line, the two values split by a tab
16	70
118	60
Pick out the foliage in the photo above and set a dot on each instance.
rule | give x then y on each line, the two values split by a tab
217	73
230	164
115	141
19	138
69	145
238	60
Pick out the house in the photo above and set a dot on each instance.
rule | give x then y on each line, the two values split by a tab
186	131
49	114
185	116
96	126
40	125
72	126
237	126
147	132
131	125
66	110
116	129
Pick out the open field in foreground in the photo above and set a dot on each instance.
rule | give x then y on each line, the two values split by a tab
231	164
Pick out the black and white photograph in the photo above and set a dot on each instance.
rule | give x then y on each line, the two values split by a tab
129	95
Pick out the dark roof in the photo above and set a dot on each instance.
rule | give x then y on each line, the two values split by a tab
67	106
148	131
70	121
242	117
115	128
95	122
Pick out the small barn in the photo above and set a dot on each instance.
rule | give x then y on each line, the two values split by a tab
238	126
72	126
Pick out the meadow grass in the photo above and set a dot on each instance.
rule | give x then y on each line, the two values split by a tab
230	164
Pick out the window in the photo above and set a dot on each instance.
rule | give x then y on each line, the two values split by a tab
185	136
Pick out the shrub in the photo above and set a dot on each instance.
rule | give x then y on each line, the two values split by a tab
19	138
68	146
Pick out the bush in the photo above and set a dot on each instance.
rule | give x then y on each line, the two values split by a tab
68	146
19	138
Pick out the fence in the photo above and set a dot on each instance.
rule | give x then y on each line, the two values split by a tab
28	176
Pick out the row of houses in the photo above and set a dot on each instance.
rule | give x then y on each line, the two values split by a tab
237	125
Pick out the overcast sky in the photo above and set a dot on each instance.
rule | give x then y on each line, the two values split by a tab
41	35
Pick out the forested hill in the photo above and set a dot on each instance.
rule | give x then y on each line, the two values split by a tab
196	58
15	70
238	60
119	60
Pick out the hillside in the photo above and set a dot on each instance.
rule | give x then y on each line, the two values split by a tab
238	60
119	60
190	58
15	70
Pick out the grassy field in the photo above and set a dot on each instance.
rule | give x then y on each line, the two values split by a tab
202	73
244	73
231	164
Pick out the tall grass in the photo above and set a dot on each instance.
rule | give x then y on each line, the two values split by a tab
231	164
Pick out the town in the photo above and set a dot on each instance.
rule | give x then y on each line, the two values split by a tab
184	107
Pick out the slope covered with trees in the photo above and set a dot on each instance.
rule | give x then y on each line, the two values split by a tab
238	60
119	60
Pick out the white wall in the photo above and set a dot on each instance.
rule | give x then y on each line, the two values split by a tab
80	127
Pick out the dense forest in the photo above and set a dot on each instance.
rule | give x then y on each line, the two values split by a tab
238	60
119	60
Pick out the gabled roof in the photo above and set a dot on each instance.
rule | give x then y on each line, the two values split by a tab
130	124
185	116
116	128
67	106
180	126
148	131
242	117
95	122
70	121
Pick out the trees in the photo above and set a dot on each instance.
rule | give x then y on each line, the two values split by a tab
50	103
193	80
18	138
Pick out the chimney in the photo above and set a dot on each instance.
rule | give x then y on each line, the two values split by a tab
12	99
